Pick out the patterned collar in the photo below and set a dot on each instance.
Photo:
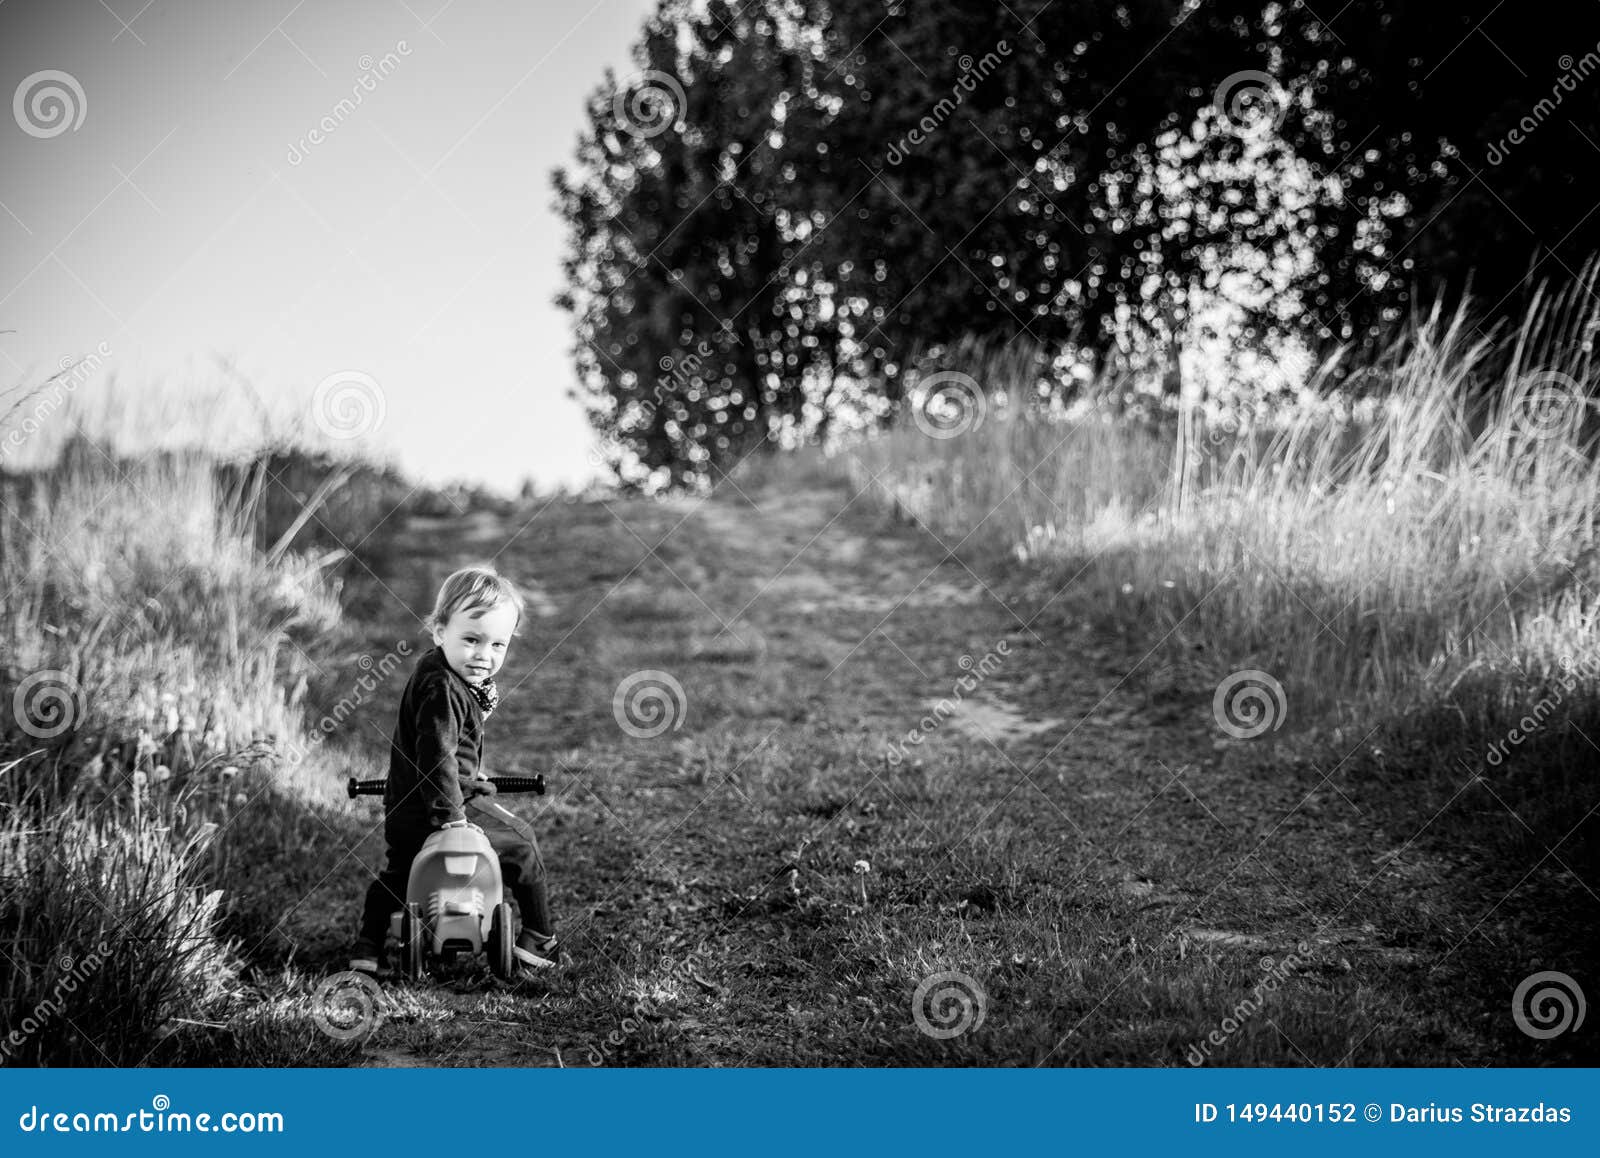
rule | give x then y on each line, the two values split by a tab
487	695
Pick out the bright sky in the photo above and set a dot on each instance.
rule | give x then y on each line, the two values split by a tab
413	250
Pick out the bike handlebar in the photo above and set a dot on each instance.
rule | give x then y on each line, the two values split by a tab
354	787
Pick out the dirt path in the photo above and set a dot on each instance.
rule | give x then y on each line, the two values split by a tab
1068	864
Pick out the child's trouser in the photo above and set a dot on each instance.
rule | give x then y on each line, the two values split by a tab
521	868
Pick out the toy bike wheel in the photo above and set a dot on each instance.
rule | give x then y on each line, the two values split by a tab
501	935
412	932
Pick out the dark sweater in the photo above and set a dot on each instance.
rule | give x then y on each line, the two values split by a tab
438	743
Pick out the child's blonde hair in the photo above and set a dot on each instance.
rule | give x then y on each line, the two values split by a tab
472	589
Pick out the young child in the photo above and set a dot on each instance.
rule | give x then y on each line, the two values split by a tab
436	773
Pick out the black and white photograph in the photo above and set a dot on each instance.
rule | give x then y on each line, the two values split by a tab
802	534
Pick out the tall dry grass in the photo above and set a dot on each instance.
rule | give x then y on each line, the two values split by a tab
1428	549
155	665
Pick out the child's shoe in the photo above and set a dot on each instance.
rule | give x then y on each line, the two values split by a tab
366	956
535	951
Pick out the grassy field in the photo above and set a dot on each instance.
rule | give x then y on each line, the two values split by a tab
938	788
1111	877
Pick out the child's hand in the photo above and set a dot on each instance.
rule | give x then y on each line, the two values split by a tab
474	788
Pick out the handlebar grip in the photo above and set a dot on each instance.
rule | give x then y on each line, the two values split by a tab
354	787
518	783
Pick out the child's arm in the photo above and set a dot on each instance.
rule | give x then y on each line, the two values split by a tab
438	770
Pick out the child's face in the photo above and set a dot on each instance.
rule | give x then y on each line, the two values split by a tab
476	645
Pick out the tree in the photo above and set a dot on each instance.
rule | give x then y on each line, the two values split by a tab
846	193
677	253
1456	142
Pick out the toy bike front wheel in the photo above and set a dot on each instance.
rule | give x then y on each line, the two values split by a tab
412	933
502	932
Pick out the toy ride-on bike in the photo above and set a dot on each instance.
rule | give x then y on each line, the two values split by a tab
454	901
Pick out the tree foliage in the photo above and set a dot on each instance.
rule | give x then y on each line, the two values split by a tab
793	203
